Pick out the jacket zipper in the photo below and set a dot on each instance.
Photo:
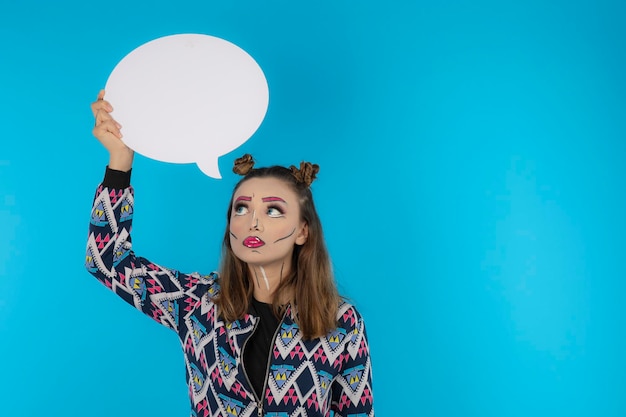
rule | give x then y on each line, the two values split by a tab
267	368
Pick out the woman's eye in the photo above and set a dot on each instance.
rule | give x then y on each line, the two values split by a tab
274	212
240	210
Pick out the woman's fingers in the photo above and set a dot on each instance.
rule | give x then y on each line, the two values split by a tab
103	116
101	104
107	130
104	121
106	124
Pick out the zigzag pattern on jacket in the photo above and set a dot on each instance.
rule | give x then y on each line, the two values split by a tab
306	377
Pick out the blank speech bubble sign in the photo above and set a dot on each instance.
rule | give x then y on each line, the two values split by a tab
188	98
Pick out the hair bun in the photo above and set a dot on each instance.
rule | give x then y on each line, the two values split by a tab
306	174
243	165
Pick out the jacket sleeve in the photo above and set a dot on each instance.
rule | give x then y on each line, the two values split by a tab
352	388
158	292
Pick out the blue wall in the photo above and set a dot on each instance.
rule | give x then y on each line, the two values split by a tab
472	156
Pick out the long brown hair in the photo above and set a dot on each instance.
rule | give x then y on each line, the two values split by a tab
310	287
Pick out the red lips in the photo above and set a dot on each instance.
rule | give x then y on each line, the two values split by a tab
253	242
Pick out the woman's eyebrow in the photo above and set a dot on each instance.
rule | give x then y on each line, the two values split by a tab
271	199
243	198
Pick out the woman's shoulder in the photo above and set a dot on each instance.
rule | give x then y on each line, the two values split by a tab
348	317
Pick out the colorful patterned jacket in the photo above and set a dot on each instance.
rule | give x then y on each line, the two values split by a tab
305	377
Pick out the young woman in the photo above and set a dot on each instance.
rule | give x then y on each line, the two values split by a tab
266	336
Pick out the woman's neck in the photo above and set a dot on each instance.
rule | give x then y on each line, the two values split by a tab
265	279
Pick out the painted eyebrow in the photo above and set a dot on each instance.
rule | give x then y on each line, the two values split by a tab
271	199
243	198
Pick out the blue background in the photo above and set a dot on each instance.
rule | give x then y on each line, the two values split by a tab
472	159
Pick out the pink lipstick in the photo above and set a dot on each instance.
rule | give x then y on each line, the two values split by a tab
253	242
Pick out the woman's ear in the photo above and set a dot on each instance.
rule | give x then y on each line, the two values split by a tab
303	234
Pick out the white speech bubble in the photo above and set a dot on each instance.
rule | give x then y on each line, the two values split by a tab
188	98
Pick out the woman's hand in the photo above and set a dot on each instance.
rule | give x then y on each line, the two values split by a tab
107	131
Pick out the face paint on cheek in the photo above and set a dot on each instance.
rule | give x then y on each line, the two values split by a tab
233	235
286	237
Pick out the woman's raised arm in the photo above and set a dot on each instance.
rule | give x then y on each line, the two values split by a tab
157	291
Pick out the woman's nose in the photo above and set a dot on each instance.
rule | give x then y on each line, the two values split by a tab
254	225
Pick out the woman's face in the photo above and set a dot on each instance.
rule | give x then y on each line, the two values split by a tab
265	223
